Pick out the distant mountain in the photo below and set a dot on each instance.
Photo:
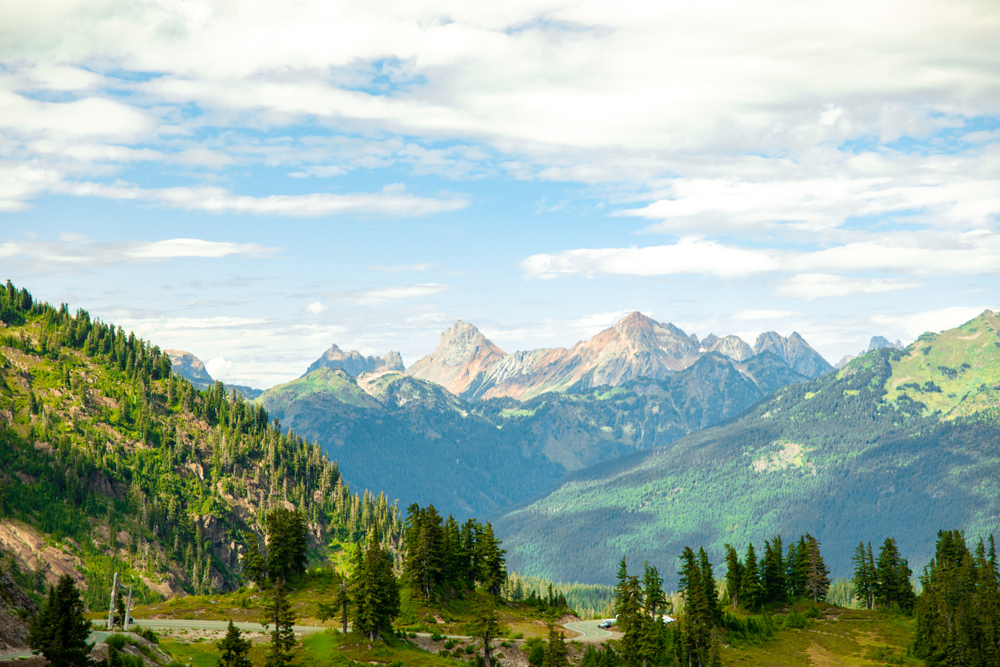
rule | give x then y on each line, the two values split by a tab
470	365
423	444
877	343
354	363
192	369
189	367
899	443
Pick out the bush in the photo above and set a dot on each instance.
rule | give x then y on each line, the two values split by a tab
470	649
450	644
148	635
795	620
812	612
436	636
444	653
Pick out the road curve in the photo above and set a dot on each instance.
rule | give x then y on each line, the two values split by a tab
589	632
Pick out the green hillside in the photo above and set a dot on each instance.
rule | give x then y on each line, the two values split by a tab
898	443
421	444
109	462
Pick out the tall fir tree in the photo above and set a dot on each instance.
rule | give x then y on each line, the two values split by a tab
60	632
234	649
817	575
864	575
734	575
753	594
278	613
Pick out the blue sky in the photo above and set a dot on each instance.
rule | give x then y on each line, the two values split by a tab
254	181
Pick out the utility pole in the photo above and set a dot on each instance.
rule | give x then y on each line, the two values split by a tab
111	611
128	608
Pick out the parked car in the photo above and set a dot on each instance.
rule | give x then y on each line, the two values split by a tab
607	623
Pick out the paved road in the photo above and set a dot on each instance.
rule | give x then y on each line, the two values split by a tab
589	632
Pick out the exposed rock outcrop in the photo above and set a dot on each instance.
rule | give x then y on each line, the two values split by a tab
354	363
470	365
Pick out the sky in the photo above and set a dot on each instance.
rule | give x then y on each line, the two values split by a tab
255	181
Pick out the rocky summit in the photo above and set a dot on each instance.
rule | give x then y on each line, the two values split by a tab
354	363
468	364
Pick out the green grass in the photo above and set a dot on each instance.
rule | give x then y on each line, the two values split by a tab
198	654
840	637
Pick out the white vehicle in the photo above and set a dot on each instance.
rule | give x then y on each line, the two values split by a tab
607	623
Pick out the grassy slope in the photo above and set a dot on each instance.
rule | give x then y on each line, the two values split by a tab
839	458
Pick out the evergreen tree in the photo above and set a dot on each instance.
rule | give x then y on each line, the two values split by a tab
734	575
486	626
652	584
892	586
697	620
555	650
817	577
287	543
376	593
492	563
234	648
773	577
864	575
60	632
278	613
714	611
254	565
753	595
957	612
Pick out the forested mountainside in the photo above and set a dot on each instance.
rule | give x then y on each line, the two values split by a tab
110	462
420	443
469	365
899	443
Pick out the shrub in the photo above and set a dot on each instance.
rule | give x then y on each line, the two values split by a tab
812	612
795	620
436	636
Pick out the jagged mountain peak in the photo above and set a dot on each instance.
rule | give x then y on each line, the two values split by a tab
355	363
462	353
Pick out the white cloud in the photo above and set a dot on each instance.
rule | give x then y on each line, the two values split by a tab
689	255
379	295
73	250
818	285
219	368
750	314
315	308
392	202
402	268
914	324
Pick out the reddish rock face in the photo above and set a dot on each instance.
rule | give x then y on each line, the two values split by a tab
468	364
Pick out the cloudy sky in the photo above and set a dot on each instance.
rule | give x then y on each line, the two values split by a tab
253	181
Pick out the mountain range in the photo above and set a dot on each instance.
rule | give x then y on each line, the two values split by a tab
469	365
897	443
450	421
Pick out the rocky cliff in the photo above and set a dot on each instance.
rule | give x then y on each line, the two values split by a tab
470	365
354	363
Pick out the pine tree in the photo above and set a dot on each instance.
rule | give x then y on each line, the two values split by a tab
279	614
864	575
893	585
492	563
234	648
652	584
714	611
817	577
254	564
734	575
60	632
750	587
376	594
773	577
555	650
486	625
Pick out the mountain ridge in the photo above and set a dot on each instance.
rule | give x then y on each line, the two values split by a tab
898	443
469	365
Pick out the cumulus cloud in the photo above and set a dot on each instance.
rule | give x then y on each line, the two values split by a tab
315	308
219	367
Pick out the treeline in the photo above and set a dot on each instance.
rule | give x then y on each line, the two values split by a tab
958	611
778	576
105	436
441	555
587	600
